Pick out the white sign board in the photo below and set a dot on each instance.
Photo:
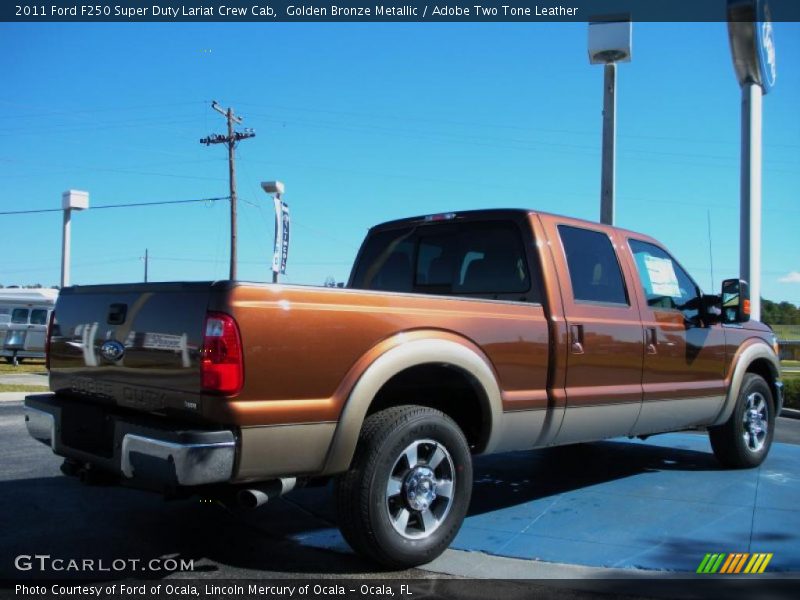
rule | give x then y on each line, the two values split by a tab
663	280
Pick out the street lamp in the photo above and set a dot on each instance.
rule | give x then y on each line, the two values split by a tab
70	200
609	43
281	252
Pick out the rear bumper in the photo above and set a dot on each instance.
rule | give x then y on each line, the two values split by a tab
142	451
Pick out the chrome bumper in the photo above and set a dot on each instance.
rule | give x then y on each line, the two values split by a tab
140	451
194	463
41	425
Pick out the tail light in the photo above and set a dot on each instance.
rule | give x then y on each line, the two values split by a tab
222	365
50	322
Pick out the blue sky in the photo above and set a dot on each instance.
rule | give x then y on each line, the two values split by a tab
369	122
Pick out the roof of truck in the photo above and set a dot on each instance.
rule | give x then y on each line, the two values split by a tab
499	213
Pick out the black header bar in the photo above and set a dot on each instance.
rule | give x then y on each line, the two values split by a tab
454	11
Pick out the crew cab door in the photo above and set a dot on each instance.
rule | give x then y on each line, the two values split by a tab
684	359
604	342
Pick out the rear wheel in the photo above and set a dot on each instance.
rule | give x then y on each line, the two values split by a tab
407	491
744	440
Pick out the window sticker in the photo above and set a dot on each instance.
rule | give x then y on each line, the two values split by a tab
662	275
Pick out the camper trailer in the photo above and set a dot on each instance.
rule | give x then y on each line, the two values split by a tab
24	315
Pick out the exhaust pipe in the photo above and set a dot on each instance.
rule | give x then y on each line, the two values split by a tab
70	467
260	494
88	474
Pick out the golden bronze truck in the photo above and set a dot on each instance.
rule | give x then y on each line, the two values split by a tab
458	334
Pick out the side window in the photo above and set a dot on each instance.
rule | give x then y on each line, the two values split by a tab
19	315
593	266
38	316
666	285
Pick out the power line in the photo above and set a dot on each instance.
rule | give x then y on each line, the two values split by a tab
395	117
102	206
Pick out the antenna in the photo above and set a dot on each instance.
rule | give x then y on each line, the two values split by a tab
710	254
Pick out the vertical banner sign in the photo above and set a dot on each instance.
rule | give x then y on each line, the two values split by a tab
281	237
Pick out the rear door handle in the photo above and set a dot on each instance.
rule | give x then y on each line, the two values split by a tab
576	338
652	340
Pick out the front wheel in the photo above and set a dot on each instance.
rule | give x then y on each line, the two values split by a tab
743	441
407	491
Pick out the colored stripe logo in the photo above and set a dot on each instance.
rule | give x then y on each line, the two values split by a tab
735	563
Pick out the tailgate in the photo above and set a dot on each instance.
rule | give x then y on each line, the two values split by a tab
133	345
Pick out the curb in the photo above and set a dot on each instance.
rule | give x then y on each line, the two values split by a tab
479	565
791	413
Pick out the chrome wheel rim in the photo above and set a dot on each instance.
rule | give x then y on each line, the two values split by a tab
756	422
419	493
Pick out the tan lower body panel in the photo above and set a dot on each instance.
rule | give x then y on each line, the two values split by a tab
672	415
520	430
283	450
592	423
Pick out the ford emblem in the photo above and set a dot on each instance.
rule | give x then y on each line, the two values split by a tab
112	350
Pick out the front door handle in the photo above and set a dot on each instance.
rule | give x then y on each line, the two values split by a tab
652	341
576	338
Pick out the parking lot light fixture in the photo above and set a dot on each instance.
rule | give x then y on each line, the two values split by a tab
70	200
609	43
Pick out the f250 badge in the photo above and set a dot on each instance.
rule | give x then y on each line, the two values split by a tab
112	350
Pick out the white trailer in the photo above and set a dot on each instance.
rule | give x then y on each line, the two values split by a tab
24	315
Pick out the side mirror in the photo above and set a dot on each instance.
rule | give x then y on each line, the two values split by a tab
735	301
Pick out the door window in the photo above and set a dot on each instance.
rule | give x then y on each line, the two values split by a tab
666	285
593	266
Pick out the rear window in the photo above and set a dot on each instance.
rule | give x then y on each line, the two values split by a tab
481	259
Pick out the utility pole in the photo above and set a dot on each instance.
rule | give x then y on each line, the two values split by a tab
230	140
146	261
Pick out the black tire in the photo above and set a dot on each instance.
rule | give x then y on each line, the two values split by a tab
744	440
371	512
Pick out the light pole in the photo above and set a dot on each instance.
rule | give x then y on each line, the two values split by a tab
281	252
609	43
70	200
753	49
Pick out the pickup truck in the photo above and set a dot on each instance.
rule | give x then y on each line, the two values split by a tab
458	334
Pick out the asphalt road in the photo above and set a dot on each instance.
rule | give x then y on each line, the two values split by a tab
47	513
